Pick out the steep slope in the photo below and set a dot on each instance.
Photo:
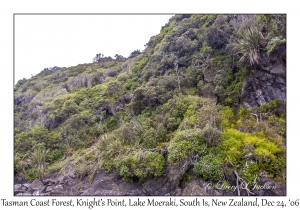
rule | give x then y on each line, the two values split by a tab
204	100
267	80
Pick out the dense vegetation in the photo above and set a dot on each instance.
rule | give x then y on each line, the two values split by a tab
174	109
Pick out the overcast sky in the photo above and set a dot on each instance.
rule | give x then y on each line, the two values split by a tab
67	40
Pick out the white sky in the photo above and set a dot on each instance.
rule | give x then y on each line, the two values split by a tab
68	40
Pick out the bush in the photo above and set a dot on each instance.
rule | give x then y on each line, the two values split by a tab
155	92
31	174
111	72
19	84
201	112
56	155
114	89
227	117
81	169
209	167
111	146
273	43
184	143
240	147
69	108
175	110
123	76
39	157
153	136
142	164
211	135
186	179
134	53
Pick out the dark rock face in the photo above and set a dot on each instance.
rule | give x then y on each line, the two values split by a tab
111	184
267	81
268	187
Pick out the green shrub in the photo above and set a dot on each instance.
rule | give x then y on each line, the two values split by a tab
251	173
39	157
186	179
111	146
227	117
209	167
82	169
69	108
239	148
142	164
56	155
31	174
184	143
212	136
273	43
123	76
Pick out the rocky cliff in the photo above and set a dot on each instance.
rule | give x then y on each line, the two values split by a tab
266	80
111	184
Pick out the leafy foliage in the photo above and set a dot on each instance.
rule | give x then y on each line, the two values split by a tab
169	110
273	43
249	45
209	167
253	153
39	157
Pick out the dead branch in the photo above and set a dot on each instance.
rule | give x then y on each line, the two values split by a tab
241	183
255	116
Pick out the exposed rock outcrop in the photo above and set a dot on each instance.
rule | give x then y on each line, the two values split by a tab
85	80
267	80
111	184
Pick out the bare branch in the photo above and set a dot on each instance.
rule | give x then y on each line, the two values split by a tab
255	116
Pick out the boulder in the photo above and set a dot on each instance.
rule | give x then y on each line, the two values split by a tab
36	185
17	187
193	189
48	181
49	189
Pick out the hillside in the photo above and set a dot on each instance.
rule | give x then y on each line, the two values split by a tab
205	100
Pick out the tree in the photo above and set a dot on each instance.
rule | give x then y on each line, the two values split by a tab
119	57
19	83
249	44
135	53
98	57
177	70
